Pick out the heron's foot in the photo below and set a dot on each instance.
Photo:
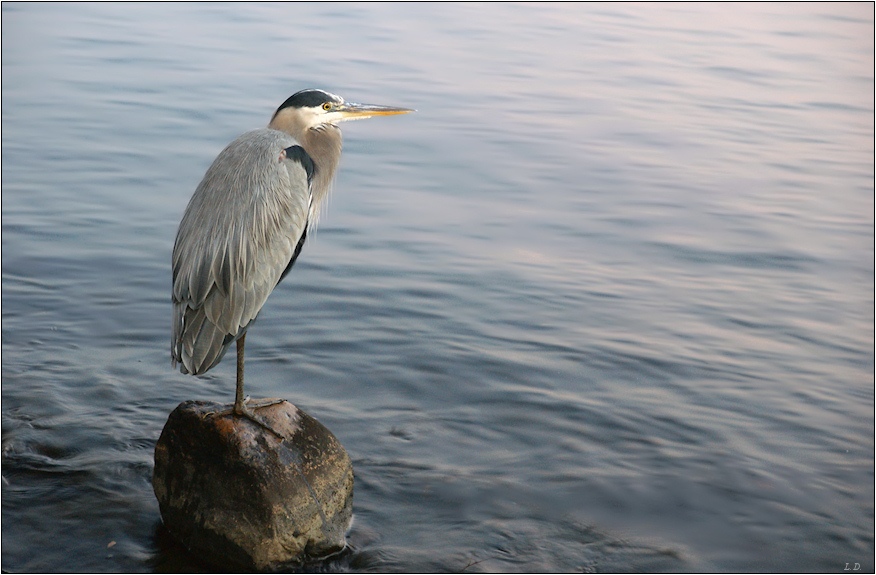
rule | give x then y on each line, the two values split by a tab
220	413
246	409
260	403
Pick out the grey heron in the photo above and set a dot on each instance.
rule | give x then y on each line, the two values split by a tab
246	224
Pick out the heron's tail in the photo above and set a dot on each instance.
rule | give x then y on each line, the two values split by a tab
196	343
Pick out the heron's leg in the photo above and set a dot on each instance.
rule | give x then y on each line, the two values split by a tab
241	406
241	403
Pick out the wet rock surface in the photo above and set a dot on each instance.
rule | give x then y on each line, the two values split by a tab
238	495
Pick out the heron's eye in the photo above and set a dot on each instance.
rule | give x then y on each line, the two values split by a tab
327	106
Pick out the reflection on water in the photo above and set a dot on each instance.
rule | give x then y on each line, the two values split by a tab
605	303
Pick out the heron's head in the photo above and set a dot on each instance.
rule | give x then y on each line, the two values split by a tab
309	109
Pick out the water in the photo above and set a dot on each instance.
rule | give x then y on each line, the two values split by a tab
604	303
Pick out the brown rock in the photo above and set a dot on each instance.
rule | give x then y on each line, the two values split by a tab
237	495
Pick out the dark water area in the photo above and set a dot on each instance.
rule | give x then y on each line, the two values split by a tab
604	303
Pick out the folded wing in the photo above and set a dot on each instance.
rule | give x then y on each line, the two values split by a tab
240	234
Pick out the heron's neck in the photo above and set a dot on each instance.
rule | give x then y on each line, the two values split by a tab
323	144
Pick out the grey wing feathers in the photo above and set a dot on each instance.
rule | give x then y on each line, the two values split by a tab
239	233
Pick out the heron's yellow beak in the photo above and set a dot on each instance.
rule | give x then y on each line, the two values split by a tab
350	111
